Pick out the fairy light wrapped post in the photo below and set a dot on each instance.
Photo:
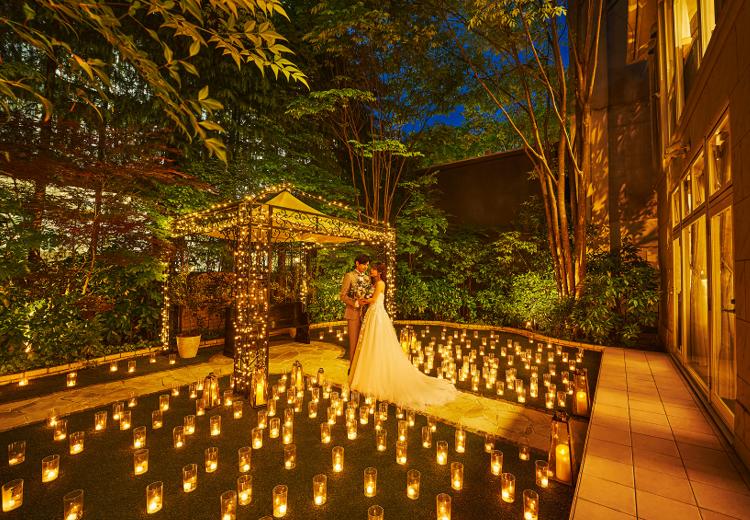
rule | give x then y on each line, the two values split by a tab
254	225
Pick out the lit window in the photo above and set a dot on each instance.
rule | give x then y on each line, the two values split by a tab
698	172
719	158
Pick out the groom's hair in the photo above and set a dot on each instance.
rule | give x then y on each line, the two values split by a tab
362	259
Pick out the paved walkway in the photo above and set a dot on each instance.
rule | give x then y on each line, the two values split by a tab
651	452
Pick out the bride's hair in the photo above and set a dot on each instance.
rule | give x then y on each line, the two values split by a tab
380	268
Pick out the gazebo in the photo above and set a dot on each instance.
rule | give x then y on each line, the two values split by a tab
256	226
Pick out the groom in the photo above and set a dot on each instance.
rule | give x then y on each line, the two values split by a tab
354	287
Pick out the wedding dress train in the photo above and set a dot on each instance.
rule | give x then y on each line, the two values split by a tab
382	369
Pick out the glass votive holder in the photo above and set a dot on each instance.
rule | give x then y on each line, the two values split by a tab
60	431
489	443
50	468
542	473
364	414
178	436
401	452
457	476
100	421
245	489
164	402
410	417
442	453
215	425
189	477
12	495
403	430
76	442
432	423
154	497
413	478
331	414
500	387
16	453
325	433
188	424
211	456
524	452
383	411
460	439
443	506
320	491
426	437
113	366
172	359
508	487
496	462
289	416
200	406
228	398
228	505
375	513
337	455
125	420
262	419
271	408
562	398
157	420
193	390
131	366
530	505
287	434
244	459
312	409
274	427
257	438
152	357
371	482
139	437
52	417
351	430
381	439
71	379
132	400
279	501
521	395
237	406
290	456
73	505
140	461
549	400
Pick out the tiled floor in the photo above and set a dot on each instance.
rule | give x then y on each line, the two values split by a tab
651	453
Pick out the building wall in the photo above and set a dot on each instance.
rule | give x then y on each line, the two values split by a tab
720	87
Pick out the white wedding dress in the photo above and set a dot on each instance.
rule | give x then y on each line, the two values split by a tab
381	368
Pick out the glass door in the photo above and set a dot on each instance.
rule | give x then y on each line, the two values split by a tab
724	378
677	322
695	286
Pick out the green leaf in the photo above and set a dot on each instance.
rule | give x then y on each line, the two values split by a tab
203	94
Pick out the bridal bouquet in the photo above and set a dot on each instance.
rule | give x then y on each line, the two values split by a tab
362	287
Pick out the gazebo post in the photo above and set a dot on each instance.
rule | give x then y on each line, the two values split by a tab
390	264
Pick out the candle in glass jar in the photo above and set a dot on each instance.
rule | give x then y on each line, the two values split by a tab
581	402
413	478
189	477
215	425
442	453
364	414
401	452
50	468
228	501
312	409
403	430
244	455
245	489
164	402
337	455
549	400
117	409
290	456
73	505
320	491
12	495
71	379
381	439
489	443
371	482
178	436
257	438
113	366
375	513
228	398
154	497
193	390
172	359
76	442
237	405
279	501
460	439
211	456
131	366
508	486
274	427
562	399
139	437
457	476
287	434
52	418
562	463
125	420
530	505
140	461
524	452
426	437
443	507
16	453
262	419
61	430
496	462
156	419
542	474
200	406
100	421
325	433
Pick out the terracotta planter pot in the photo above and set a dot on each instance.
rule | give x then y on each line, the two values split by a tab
187	346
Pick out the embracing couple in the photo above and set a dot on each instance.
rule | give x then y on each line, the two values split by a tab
378	366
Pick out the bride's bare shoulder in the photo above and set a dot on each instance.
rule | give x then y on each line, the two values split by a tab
381	284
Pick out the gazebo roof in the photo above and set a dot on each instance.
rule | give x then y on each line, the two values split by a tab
279	213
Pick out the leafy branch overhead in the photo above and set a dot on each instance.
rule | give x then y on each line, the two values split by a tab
159	39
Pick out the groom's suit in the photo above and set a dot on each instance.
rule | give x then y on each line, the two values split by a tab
352	313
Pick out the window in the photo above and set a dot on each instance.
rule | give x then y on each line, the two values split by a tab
687	197
725	373
696	304
698	173
719	158
676	207
687	35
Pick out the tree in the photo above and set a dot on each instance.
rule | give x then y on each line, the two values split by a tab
515	49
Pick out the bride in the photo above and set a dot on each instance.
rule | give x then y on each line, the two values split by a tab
381	368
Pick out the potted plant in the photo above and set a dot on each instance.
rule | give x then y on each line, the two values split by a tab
188	340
